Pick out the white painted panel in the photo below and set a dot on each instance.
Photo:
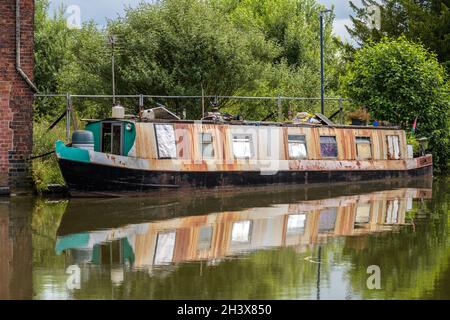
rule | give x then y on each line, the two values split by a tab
396	147
393	147
242	146
392	212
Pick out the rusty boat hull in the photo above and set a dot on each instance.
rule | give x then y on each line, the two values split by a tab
85	179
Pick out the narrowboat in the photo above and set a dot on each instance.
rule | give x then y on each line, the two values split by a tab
157	150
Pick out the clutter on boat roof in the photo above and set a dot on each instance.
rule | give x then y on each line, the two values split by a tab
313	119
159	112
216	115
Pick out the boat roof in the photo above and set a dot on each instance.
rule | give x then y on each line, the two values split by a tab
247	123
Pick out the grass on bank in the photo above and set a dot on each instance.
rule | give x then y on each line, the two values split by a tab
45	170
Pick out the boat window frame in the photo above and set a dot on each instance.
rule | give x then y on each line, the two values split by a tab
297	142
320	147
358	156
250	138
202	143
112	123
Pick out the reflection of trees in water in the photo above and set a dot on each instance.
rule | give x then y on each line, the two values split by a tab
267	274
411	262
46	218
45	221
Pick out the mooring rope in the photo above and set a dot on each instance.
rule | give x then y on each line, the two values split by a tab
46	154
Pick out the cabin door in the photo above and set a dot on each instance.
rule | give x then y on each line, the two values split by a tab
112	138
393	148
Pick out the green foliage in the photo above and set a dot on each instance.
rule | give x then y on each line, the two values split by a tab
399	81
51	39
45	170
412	140
226	47
425	21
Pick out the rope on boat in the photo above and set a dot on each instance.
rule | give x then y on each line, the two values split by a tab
46	154
41	155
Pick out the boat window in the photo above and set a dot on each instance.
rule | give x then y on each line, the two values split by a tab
363	148
240	232
110	252
112	138
362	213
327	219
328	147
165	244
242	146
165	140
204	238
297	147
116	138
296	224
106	138
206	145
393	148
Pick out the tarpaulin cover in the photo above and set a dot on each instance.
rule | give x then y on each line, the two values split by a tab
165	137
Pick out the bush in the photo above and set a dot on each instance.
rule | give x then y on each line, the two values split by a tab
399	81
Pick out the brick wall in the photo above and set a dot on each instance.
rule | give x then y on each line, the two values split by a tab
16	98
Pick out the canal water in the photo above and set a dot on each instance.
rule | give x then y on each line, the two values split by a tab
353	241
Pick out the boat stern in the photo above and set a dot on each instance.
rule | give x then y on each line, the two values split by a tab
70	153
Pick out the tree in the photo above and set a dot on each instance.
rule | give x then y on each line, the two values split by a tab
226	47
425	21
292	27
400	81
170	48
51	39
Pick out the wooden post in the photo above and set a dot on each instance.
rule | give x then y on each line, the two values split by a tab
203	102
341	111
73	115
280	109
68	98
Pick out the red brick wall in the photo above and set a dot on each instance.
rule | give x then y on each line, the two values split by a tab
16	97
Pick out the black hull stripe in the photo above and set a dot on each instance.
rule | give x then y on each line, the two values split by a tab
88	177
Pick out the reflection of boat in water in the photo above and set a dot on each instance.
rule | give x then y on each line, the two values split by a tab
222	232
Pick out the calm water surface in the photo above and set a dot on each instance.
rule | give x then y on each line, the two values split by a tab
289	243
